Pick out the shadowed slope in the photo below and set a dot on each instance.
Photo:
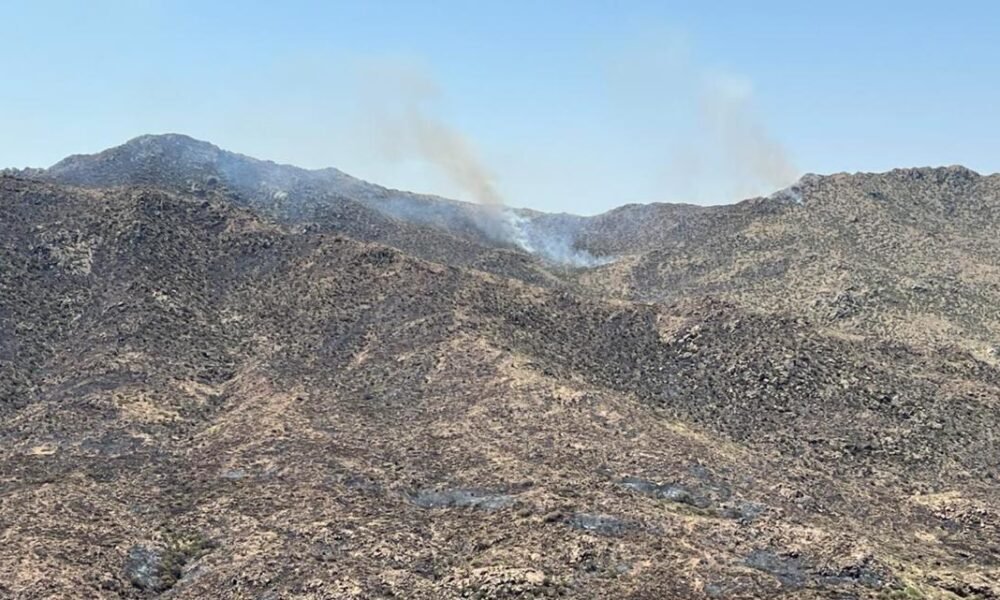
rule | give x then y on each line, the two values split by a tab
199	400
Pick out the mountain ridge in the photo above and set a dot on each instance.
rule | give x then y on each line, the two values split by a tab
299	194
200	397
186	141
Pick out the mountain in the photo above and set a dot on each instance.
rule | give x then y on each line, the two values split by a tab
206	394
327	197
906	255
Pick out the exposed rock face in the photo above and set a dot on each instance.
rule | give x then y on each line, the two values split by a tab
480	499
426	226
202	398
907	255
145	569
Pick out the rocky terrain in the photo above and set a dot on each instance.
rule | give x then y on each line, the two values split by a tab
224	378
906	255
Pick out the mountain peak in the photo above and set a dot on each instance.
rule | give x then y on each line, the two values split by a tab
165	138
166	143
177	161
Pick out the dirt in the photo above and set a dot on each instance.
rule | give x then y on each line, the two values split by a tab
201	399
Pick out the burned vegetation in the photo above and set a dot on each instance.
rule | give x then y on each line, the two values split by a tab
207	394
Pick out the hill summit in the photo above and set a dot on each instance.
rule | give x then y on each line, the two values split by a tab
222	377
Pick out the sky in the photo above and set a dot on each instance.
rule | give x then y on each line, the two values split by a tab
575	106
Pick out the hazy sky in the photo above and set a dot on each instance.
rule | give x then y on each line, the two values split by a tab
575	106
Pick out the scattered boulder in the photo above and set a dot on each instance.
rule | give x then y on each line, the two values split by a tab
600	524
789	570
146	569
737	587
234	474
745	511
669	491
362	484
156	568
795	571
505	582
865	571
461	498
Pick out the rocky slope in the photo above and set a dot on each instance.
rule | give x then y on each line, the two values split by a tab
909	254
906	255
326	198
202	398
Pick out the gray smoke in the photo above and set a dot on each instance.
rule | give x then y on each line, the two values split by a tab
697	123
447	149
402	105
753	159
550	239
410	128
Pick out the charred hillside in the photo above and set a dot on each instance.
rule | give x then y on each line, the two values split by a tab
327	198
202	397
905	255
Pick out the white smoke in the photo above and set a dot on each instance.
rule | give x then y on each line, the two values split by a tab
549	240
752	159
409	126
697	126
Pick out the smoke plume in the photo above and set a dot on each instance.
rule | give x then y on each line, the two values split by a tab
695	125
753	160
403	105
449	151
406	117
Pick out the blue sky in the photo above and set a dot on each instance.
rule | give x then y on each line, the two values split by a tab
573	106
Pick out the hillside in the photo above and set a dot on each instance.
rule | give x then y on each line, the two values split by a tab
906	255
203	394
326	197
